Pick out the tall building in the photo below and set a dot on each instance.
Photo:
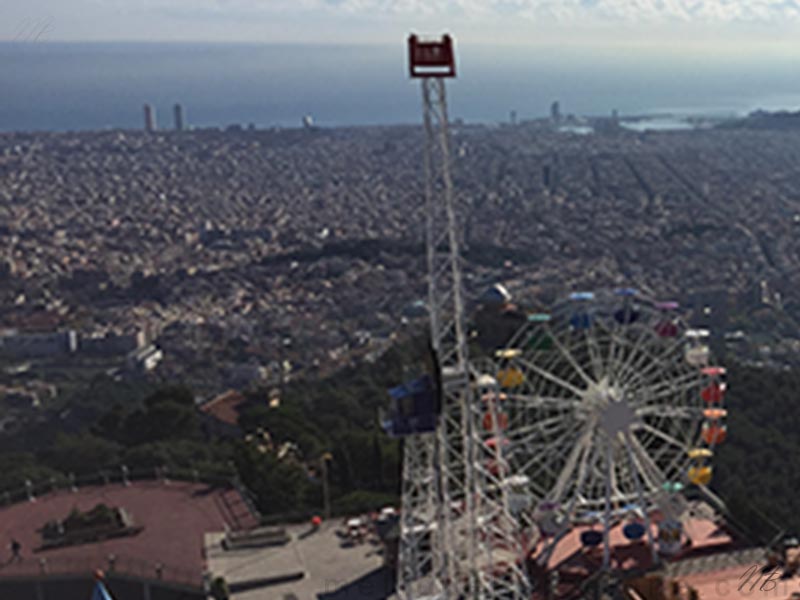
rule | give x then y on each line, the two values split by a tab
555	112
513	117
177	112
149	118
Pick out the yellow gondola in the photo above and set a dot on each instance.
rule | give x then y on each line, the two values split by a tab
510	378
508	353
698	453
700	472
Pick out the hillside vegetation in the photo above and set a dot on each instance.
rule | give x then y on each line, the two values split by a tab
756	469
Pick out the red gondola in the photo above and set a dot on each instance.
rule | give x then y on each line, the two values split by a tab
713	393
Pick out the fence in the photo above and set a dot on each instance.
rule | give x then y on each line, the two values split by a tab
120	475
33	568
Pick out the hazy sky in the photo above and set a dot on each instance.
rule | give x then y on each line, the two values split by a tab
717	25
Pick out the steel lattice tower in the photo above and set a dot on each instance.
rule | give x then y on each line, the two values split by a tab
416	576
452	539
453	523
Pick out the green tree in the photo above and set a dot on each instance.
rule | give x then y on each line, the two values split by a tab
164	420
280	486
18	467
82	453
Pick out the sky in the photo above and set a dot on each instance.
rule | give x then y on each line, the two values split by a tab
722	26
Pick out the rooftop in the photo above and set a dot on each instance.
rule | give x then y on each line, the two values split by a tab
174	517
225	407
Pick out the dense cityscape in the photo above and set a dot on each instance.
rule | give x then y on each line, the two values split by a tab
278	277
251	256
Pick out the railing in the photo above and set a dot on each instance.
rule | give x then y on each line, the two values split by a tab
120	475
113	565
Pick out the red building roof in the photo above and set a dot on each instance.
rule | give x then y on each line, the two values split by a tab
575	563
225	407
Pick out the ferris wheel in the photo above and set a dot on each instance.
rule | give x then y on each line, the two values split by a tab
603	410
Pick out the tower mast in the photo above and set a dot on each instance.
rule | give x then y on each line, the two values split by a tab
452	524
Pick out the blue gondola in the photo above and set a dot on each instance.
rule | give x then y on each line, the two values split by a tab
581	296
592	538
581	320
633	531
415	408
626	292
627	314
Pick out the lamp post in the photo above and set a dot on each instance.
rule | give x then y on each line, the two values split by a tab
326	492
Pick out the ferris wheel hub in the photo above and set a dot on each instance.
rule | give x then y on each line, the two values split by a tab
617	417
605	405
600	394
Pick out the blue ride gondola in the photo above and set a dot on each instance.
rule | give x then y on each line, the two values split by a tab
581	317
414	409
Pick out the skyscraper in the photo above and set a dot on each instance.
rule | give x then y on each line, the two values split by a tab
177	111
149	118
555	112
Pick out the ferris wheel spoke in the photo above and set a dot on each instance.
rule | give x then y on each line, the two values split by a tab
609	465
640	495
651	473
612	347
544	459
522	337
637	367
537	428
536	401
547	455
646	367
669	455
583	470
688	378
672	412
595	357
633	356
663	436
569	357
572	461
615	482
643	363
664	389
633	352
551	377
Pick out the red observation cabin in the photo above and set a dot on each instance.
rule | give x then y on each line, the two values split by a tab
431	58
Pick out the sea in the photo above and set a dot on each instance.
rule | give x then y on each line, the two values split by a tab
90	86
